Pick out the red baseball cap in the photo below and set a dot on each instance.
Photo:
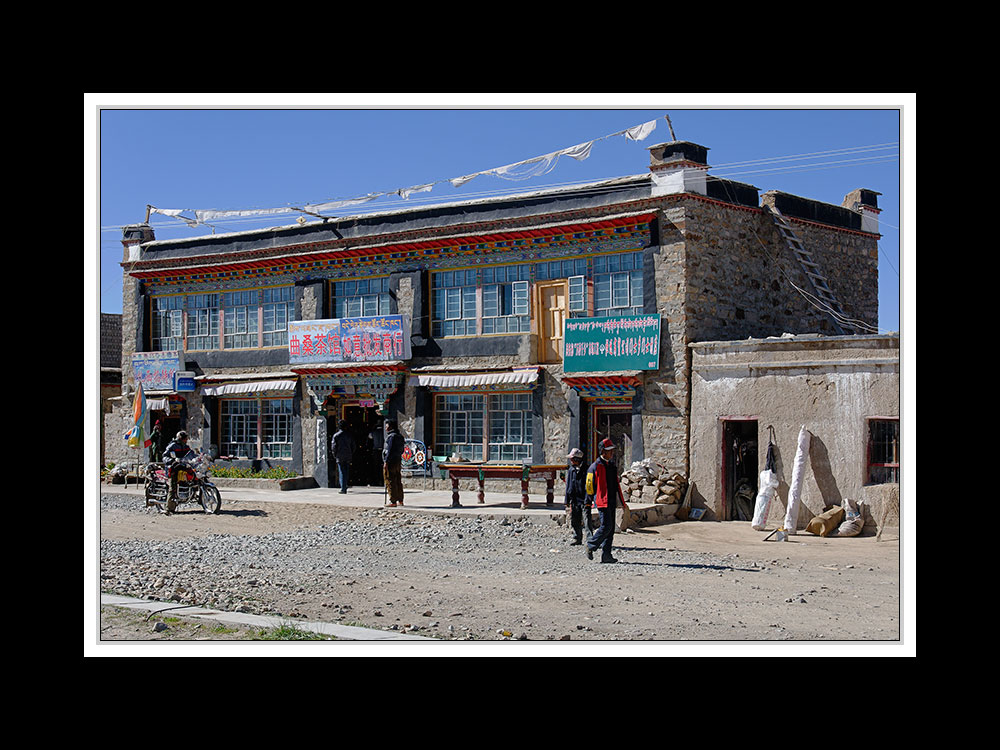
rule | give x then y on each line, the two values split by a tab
607	444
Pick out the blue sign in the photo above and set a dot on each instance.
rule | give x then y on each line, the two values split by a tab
184	382
155	370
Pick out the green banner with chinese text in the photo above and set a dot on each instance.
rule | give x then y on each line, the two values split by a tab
629	342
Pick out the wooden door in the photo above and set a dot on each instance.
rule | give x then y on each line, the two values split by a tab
551	314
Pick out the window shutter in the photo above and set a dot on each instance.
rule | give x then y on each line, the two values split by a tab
521	306
577	293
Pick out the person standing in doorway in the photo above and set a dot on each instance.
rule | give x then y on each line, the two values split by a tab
577	500
156	443
342	449
603	485
392	460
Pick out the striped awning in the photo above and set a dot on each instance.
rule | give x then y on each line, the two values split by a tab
249	387
471	379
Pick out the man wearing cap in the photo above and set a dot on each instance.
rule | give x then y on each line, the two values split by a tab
602	484
577	501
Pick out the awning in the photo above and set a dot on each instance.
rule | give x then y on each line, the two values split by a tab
465	380
249	388
158	404
605	387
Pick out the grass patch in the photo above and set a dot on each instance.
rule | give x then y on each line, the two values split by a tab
287	631
233	472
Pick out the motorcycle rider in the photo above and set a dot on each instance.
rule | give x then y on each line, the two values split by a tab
172	456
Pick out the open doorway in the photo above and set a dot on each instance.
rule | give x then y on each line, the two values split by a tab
615	423
365	424
739	469
169	427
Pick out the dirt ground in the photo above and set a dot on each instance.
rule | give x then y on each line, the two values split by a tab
680	582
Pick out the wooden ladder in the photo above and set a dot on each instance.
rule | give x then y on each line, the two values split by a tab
811	269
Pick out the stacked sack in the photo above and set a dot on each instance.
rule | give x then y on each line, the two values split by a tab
648	482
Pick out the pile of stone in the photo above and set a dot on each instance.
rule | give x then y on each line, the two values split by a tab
648	482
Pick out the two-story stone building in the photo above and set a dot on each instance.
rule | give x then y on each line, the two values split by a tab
505	330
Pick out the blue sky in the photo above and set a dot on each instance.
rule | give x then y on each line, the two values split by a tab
179	155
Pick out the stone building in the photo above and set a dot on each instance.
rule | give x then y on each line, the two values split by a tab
504	330
758	393
111	367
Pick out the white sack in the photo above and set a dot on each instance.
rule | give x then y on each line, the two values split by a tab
768	489
798	474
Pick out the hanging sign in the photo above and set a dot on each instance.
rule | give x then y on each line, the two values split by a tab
629	342
184	382
155	370
376	339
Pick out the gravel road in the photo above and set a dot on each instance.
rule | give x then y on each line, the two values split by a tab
473	578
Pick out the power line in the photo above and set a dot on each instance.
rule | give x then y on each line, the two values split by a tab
418	202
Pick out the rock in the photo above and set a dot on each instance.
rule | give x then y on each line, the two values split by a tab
160	627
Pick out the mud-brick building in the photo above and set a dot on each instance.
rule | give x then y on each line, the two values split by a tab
503	331
756	395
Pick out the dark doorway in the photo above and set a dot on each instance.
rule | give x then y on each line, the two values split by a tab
616	423
365	424
739	469
169	426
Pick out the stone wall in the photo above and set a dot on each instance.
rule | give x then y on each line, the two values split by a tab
665	391
741	275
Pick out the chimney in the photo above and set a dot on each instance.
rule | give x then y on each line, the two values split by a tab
678	167
134	235
864	202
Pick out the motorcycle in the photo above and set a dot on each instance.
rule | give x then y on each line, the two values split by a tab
193	484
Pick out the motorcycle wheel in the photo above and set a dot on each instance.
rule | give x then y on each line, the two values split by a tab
211	500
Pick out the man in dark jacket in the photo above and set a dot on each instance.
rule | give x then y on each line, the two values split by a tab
342	451
577	501
392	460
602	483
172	455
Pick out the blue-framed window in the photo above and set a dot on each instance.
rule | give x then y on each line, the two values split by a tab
618	285
497	299
356	298
248	319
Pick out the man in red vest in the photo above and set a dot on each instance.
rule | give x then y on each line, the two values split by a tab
602	484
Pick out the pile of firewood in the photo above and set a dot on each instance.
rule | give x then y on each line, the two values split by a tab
648	482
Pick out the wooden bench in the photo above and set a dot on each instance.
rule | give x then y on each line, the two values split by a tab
484	471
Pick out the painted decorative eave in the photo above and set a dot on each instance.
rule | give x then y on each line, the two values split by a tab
311	256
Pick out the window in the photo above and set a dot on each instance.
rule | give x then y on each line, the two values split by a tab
256	428
505	299
239	316
459	426
278	307
239	428
496	299
560	269
883	450
202	321
577	294
460	421
251	319
510	427
167	324
618	285
276	428
454	303
361	298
